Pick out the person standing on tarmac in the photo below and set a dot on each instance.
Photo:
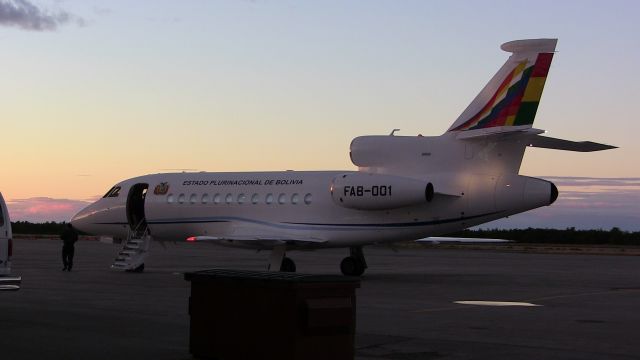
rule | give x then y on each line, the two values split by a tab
69	237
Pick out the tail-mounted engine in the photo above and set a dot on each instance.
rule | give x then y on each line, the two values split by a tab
365	191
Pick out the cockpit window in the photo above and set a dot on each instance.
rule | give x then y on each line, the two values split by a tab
108	192
113	192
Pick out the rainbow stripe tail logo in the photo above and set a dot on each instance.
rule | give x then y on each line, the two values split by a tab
515	100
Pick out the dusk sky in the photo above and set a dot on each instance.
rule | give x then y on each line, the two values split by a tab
94	92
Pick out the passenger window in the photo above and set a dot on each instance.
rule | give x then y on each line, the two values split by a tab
242	198
255	198
1	217
205	198
181	198
228	199
307	199
268	199
216	199
282	198
170	199
295	198
193	198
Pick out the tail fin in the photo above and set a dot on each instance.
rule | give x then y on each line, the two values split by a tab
511	97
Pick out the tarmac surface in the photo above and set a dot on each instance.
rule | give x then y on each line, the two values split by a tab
588	305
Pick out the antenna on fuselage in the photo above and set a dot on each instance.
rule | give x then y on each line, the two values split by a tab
393	132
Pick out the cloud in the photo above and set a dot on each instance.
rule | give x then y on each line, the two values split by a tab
25	15
42	209
586	181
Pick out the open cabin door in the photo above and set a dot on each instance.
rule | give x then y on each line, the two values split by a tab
135	207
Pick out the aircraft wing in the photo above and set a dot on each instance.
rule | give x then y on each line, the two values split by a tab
258	240
438	240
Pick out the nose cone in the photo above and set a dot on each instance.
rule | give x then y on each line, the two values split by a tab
81	220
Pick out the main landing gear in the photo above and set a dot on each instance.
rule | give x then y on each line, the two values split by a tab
354	265
279	262
287	265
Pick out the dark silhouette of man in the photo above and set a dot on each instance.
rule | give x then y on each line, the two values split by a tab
69	237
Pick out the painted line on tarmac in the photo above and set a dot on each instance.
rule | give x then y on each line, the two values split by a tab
495	303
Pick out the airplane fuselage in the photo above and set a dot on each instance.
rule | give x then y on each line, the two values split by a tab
290	204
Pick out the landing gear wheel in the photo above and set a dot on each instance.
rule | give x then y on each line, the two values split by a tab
138	269
287	265
351	266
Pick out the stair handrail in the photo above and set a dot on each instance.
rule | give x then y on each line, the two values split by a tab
137	233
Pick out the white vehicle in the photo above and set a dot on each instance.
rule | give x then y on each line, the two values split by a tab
7	282
405	188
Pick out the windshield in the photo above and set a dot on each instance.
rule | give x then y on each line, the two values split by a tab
113	192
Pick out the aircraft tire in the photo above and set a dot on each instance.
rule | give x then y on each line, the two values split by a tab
351	266
288	265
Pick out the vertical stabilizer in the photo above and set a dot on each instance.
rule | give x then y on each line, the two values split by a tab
512	96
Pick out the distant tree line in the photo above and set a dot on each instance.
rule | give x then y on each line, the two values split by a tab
615	236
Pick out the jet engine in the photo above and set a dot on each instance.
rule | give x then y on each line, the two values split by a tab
365	191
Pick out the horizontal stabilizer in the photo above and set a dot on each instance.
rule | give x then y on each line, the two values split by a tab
438	240
500	131
561	144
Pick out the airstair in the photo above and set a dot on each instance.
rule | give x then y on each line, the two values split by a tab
134	250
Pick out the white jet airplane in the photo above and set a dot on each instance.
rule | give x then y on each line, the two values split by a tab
406	187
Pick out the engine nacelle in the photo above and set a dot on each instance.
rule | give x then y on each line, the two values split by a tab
364	191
